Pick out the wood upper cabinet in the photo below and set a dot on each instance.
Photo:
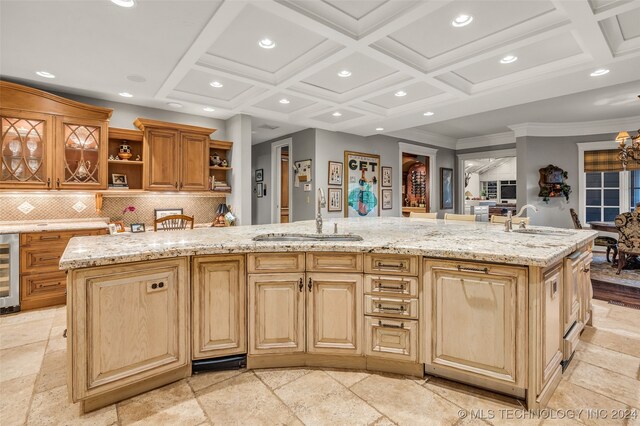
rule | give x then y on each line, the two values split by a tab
334	313
219	292
276	313
176	156
476	320
129	323
49	142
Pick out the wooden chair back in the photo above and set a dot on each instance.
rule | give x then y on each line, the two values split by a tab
420	215
515	220
173	222
461	217
576	220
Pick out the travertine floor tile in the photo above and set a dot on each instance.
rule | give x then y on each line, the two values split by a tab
348	378
610	340
53	371
244	400
276	377
171	404
15	397
21	360
316	398
405	402
56	345
202	380
611	360
52	408
24	333
383	421
607	383
22	317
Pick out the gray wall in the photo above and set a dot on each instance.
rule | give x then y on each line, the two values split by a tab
261	207
535	153
239	131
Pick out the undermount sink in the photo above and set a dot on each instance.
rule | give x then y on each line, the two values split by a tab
307	237
546	232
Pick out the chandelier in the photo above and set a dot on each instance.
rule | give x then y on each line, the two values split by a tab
627	152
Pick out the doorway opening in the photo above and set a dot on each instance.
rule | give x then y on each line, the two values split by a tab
415	183
284	184
281	182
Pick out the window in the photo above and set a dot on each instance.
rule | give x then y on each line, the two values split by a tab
602	196
635	189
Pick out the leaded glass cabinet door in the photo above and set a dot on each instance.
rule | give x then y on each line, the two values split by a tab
81	152
26	150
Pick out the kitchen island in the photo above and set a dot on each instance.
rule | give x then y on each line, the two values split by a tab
463	300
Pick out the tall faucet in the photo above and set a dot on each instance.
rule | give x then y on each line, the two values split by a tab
322	202
532	207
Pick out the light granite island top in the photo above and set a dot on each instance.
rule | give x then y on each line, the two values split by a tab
20	227
479	241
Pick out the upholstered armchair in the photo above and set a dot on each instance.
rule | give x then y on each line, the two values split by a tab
610	243
628	225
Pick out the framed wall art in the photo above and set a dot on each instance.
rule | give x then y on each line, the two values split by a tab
386	177
361	197
335	173
335	200
259	175
160	213
446	188
387	199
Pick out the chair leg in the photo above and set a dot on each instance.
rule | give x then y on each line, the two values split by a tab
608	251
615	253
621	262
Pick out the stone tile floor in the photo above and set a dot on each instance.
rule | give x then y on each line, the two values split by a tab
604	375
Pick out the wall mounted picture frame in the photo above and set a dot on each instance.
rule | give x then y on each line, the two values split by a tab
335	200
446	188
259	189
160	213
387	177
387	199
335	173
362	192
259	175
137	227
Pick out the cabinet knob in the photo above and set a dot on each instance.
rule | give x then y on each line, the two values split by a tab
161	284
48	182
58	182
154	286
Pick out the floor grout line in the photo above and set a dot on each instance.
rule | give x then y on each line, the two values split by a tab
358	396
280	399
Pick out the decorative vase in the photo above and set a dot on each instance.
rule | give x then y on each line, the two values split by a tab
125	151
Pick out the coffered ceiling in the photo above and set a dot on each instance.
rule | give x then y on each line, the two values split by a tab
404	58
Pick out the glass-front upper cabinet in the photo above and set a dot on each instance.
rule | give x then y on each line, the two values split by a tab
81	153
26	150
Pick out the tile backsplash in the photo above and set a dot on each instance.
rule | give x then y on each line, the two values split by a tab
39	206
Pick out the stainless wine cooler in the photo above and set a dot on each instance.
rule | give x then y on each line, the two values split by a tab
9	274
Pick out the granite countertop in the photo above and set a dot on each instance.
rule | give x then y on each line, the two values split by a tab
51	225
478	241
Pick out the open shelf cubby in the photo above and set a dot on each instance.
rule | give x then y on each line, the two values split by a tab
131	168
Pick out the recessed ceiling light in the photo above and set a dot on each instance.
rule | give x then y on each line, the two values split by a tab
462	20
344	73
379	129
125	94
174	104
216	84
599	72
508	59
428	114
124	3
337	114
45	74
285	101
400	93
266	43
208	109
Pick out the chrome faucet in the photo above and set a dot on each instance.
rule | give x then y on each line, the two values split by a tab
532	207
322	202
508	224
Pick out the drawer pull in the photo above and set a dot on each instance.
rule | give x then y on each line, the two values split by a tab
51	238
466	268
301	285
399	265
384	287
310	284
390	308
381	324
586	269
49	258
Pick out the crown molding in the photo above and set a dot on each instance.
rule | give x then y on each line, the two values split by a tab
577	128
422	136
486	140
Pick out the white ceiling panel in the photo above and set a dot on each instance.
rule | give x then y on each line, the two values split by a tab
363	70
434	35
328	117
273	103
198	83
630	24
239	43
533	55
356	9
414	92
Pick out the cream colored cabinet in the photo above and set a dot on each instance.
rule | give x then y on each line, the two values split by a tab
129	329
477	323
276	313
218	308
334	313
572	289
391	338
586	293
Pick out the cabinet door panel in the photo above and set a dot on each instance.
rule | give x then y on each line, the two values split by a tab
334	313
194	157
552	325
219	290
391	338
136	324
81	154
162	159
477	319
276	313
